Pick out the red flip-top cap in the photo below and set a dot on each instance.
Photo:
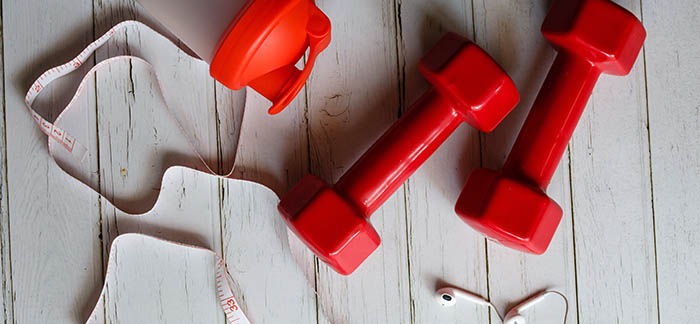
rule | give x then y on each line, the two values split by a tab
265	42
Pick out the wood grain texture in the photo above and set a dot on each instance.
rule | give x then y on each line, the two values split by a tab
57	257
673	63
229	107
268	282
5	257
612	202
272	151
510	32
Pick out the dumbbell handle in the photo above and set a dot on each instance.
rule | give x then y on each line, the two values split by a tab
399	152
552	120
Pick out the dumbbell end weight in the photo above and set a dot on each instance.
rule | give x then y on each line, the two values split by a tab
599	31
328	224
509	211
475	85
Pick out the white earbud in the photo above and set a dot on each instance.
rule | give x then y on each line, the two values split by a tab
514	319
513	316
448	297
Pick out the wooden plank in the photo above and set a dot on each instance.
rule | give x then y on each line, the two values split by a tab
57	261
442	250
5	260
228	119
353	99
268	282
672	64
510	32
612	202
272	151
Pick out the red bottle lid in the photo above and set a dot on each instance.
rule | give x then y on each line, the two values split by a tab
265	42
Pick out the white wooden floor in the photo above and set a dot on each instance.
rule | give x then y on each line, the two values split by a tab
629	184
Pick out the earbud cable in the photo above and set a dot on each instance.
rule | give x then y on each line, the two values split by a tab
566	302
566	305
500	317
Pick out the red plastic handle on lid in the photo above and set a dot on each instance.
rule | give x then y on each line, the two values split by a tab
319	37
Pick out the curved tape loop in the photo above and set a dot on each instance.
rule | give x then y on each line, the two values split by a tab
232	310
79	151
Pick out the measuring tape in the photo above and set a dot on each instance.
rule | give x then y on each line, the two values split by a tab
58	135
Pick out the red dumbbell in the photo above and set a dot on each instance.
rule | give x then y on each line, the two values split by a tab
333	222
510	206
